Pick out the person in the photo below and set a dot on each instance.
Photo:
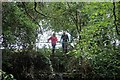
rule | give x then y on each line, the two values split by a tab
54	40
65	40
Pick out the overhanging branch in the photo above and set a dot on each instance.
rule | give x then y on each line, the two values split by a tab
35	8
31	16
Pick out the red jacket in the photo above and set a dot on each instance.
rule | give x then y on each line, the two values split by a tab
53	39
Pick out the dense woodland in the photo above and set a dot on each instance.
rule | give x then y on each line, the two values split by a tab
95	30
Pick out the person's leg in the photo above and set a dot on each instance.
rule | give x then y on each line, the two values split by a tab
53	48
63	46
66	47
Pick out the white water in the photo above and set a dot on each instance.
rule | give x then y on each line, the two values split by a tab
51	67
41	42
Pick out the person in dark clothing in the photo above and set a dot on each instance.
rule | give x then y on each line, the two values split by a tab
65	40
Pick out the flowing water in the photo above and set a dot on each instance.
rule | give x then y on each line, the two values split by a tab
51	67
57	76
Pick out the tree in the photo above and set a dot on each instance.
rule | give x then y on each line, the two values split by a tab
18	28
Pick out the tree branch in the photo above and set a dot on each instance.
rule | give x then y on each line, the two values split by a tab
27	12
115	18
75	20
35	6
31	17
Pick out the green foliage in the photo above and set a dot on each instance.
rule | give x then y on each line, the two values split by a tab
25	64
6	76
18	29
96	53
96	40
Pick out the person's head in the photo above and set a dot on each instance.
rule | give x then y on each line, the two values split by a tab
64	33
53	34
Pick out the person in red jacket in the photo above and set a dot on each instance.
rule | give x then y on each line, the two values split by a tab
54	40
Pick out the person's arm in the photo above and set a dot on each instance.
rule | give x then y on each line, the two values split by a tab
56	40
49	39
67	38
61	38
